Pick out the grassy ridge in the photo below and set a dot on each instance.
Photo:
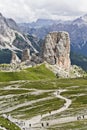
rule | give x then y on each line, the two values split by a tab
34	73
8	125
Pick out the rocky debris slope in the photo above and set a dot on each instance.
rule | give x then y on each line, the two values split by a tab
73	72
56	49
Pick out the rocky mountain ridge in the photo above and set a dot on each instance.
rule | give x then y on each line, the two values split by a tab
77	30
11	37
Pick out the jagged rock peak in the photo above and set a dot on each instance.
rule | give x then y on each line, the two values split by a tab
15	59
56	49
26	54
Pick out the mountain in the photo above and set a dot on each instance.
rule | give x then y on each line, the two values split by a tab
81	21
12	24
77	30
39	23
79	60
13	40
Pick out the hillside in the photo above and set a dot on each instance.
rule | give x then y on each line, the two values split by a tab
34	103
33	73
79	60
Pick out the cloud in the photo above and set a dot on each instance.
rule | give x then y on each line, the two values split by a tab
27	10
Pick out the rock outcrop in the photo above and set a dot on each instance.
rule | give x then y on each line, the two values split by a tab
36	58
56	49
13	39
26	55
15	59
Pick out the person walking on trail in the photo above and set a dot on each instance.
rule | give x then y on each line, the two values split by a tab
42	124
47	124
30	125
83	116
57	76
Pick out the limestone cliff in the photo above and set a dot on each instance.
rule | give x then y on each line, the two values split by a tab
56	49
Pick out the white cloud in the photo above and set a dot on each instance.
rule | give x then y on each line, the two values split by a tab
30	10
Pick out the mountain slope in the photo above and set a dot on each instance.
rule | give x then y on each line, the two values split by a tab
79	60
11	37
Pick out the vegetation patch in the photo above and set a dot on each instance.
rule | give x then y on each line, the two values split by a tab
34	73
8	125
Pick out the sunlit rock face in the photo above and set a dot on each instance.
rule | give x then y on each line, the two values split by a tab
56	49
15	59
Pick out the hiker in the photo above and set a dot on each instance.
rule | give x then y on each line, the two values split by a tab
30	125
47	124
49	112
57	76
42	124
79	117
83	116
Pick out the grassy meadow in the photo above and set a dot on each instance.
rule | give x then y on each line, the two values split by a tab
29	92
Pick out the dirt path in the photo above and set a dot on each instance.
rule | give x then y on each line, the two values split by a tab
36	121
24	104
2	128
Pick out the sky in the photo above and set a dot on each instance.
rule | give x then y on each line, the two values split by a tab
31	10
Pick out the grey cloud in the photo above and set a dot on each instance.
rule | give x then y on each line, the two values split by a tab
30	10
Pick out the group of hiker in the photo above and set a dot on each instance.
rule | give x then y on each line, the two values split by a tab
80	117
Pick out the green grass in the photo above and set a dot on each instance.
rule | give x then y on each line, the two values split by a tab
41	107
34	73
55	83
41	78
15	92
78	95
8	125
78	125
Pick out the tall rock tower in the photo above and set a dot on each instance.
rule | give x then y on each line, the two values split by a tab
56	49
15	59
26	55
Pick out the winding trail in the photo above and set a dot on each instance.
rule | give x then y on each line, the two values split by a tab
24	104
3	128
36	120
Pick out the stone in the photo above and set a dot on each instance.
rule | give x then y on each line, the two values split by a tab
15	59
36	58
26	55
56	49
